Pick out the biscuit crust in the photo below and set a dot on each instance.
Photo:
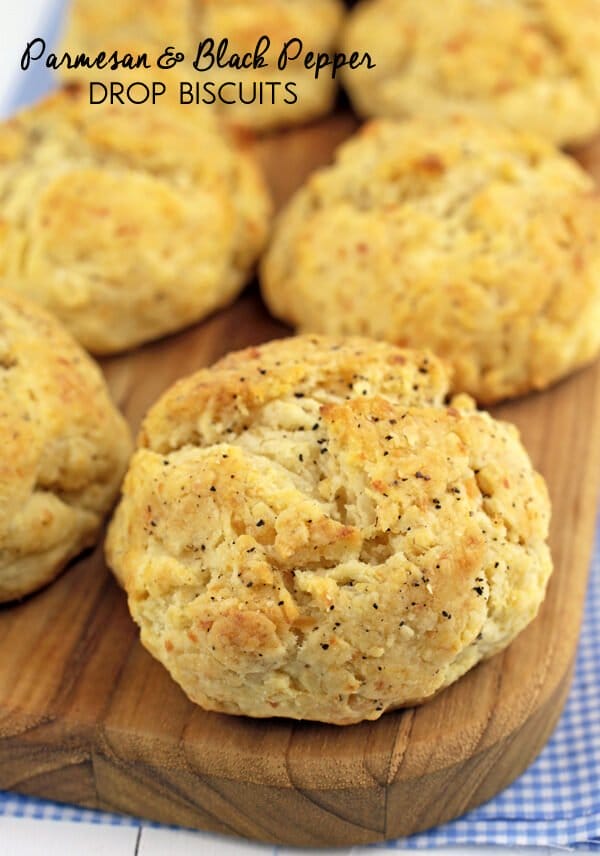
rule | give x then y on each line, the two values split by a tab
126	223
532	65
476	241
64	445
149	25
308	531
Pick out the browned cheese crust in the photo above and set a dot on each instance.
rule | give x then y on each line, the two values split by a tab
139	26
531	64
307	530
480	243
126	222
64	446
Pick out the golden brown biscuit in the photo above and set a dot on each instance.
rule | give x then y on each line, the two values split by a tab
64	448
307	530
476	241
127	222
533	65
138	26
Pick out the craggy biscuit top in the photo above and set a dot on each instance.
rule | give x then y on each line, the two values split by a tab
128	223
64	448
307	530
534	64
137	27
128	26
479	242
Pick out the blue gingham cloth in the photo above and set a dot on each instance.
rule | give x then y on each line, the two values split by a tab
555	803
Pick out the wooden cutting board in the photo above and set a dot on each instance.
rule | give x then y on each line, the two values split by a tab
87	717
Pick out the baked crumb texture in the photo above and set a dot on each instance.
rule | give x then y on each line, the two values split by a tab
64	448
307	530
139	26
127	222
478	242
532	64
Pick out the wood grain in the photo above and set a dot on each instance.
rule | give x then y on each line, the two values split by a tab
86	715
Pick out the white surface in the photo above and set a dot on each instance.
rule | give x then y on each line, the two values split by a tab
19	22
158	842
23	837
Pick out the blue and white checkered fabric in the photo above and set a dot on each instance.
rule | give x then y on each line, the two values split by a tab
556	802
